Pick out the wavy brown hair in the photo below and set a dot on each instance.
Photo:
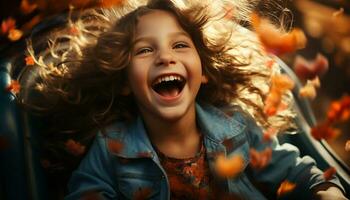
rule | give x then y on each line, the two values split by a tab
82	78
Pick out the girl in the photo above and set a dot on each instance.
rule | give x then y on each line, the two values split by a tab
168	85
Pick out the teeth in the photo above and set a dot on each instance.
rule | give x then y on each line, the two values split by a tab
167	78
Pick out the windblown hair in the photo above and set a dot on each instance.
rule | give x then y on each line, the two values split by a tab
83	75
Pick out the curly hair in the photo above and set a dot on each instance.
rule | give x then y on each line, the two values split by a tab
82	77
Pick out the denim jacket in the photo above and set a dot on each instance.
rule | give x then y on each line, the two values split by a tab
119	175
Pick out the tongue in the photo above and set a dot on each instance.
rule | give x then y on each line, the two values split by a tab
169	92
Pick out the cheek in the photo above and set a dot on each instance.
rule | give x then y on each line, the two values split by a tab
137	75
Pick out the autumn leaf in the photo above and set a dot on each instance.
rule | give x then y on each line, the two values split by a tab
26	7
309	90
338	13
280	84
14	87
329	173
275	40
339	111
15	34
7	25
91	195
142	194
29	61
285	187
269	134
324	131
115	146
229	167
259	160
347	145
74	147
309	69
110	3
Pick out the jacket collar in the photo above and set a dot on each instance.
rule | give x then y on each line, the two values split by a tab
213	122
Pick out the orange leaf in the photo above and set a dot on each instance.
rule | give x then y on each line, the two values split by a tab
15	34
74	147
229	167
329	173
285	187
115	146
347	145
324	131
8	25
338	13
29	60
14	87
142	194
259	160
339	110
305	69
308	91
276	41
269	134
27	7
110	3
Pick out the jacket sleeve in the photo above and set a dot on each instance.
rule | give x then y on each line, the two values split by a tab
285	164
94	176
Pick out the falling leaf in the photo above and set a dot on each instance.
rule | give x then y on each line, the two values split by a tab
74	30
285	187
8	25
324	131
74	147
275	40
29	61
305	69
347	145
229	167
338	13
308	91
339	111
27	7
259	160
15	34
329	173
110	3
142	194
270	63
14	87
280	84
115	146
269	134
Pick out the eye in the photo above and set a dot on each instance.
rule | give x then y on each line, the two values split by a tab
144	51
180	45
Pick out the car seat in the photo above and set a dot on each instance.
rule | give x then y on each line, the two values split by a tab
22	176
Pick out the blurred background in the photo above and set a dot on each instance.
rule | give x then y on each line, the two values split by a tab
326	24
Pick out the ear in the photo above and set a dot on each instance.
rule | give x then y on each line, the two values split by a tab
125	91
204	79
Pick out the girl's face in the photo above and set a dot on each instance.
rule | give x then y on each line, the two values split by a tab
165	71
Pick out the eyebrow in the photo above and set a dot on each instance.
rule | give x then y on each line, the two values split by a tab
174	34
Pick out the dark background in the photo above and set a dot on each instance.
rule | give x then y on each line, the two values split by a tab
326	34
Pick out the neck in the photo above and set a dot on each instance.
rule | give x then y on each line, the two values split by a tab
172	137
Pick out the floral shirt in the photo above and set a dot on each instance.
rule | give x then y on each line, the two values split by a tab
188	178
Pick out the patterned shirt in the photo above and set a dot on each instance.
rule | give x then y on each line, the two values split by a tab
188	178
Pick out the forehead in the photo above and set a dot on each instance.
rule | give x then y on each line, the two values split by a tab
157	21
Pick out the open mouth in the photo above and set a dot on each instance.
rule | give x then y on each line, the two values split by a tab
169	85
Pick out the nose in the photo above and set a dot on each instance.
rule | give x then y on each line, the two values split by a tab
165	58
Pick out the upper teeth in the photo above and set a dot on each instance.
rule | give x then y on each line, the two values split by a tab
168	78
